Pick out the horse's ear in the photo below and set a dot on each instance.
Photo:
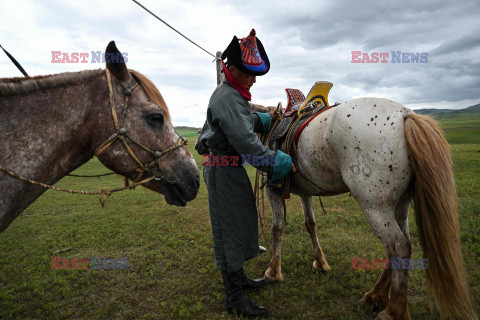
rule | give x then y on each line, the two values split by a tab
115	62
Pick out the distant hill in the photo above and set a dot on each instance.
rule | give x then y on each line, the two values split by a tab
185	131
450	112
187	128
473	110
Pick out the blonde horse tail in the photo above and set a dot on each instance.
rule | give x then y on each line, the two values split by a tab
435	204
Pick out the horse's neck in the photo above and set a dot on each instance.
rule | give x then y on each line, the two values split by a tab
48	133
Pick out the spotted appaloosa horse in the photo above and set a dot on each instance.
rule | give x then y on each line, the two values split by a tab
384	154
50	125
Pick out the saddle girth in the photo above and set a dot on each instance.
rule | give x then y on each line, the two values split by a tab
284	136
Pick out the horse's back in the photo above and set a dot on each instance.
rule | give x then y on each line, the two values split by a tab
358	146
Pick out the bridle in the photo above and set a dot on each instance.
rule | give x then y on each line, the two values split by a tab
122	134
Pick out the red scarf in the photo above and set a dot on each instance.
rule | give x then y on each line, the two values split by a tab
236	84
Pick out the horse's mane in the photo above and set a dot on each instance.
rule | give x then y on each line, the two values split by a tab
152	92
16	86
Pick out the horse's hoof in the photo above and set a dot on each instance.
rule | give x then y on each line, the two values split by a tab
318	266
373	300
362	301
368	302
384	316
269	278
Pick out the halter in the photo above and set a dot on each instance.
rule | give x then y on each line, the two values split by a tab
122	134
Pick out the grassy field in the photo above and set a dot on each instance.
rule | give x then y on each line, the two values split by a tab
187	132
171	271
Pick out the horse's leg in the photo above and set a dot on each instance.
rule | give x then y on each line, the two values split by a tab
401	214
383	223
379	295
319	263
274	272
373	159
398	293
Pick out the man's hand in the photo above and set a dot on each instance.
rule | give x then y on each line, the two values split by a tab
293	168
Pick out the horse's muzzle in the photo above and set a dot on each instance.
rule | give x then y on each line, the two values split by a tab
181	185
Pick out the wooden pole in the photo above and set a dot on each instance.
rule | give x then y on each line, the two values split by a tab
220	76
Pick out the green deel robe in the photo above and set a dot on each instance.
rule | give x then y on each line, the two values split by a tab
229	130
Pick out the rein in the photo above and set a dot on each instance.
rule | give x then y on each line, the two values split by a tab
261	178
261	182
104	193
120	134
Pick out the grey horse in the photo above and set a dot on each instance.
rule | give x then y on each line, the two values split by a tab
385	155
51	125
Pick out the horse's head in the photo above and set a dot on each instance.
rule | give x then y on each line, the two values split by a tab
138	140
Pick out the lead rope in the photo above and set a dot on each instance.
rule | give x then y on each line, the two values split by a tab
321	204
90	176
278	111
104	193
259	192
259	189
260	199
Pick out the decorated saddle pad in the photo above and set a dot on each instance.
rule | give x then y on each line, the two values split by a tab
295	101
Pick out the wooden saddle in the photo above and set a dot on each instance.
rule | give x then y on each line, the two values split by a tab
285	131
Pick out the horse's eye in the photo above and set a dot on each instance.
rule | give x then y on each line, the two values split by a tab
155	120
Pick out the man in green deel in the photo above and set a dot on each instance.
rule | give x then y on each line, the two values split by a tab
230	131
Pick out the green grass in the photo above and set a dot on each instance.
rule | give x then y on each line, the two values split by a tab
172	272
187	131
462	129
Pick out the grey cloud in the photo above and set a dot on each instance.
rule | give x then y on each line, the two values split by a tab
444	29
306	41
461	44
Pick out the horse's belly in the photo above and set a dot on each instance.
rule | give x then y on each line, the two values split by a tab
318	169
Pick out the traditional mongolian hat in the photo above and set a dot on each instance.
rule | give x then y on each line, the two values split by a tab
247	55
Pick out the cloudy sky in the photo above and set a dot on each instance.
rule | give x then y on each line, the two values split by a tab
306	41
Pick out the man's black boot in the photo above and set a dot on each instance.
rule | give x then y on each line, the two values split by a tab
235	299
249	284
